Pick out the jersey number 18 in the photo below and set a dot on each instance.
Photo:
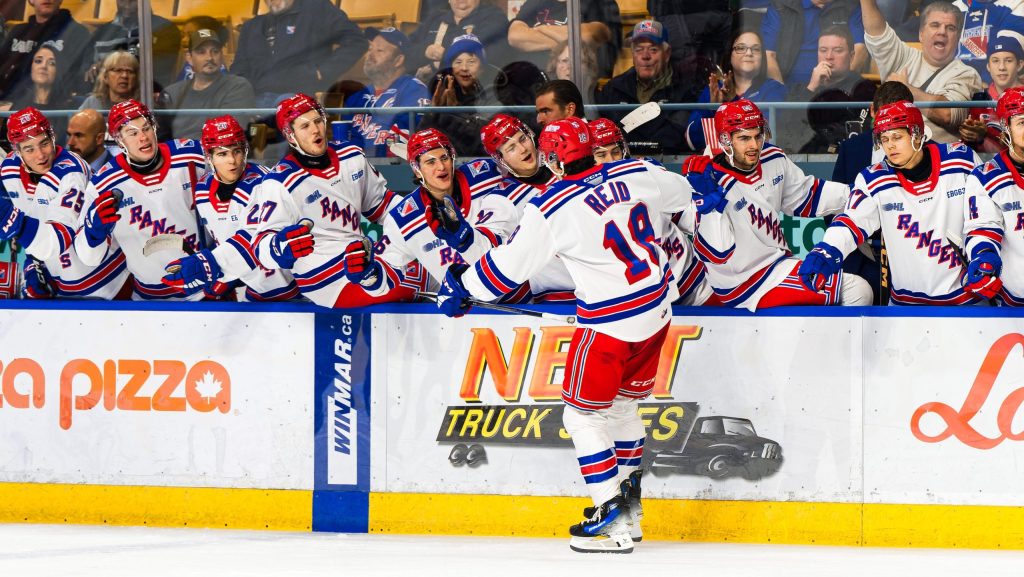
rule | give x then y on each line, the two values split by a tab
642	234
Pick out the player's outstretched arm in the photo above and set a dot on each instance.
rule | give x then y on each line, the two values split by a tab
807	196
502	269
858	221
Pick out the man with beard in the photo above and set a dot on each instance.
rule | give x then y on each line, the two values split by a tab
390	86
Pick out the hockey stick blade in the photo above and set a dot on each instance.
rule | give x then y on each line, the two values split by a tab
641	115
399	149
164	242
569	320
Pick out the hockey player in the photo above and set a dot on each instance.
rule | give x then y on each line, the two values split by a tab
450	218
139	194
45	187
624	293
916	198
222	199
510	142
994	205
689	272
749	263
331	184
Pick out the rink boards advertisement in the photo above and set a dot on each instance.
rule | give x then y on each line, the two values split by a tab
739	411
185	399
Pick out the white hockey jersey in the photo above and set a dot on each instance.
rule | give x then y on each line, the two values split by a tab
995	217
604	224
407	236
228	232
552	284
56	201
156	203
744	247
334	199
921	223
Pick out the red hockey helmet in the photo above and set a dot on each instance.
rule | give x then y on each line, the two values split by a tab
1010	104
27	123
498	130
739	114
565	141
604	132
222	132
124	112
900	114
293	107
428	139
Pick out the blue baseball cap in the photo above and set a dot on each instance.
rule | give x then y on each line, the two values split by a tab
466	43
649	30
1005	44
393	35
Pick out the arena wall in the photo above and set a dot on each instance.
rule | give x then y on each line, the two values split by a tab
874	426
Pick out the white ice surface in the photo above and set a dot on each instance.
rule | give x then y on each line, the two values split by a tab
70	551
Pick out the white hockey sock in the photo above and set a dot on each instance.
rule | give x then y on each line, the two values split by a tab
594	451
628	433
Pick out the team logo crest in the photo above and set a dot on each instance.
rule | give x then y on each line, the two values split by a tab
407	208
66	163
478	167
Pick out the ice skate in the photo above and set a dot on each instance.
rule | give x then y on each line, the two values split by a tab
631	488
605	531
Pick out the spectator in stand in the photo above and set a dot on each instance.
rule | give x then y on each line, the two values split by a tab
832	80
440	27
698	31
560	67
122	34
650	80
982	131
744	74
390	85
556	100
86	132
516	84
791	29
210	88
299	46
461	82
49	23
117	81
192	25
985	22
541	25
46	91
932	73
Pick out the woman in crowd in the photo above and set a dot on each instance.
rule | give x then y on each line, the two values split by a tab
560	68
117	81
463	81
46	90
744	74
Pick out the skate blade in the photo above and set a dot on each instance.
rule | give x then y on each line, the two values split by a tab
602	544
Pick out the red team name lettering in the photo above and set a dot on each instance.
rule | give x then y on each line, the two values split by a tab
936	247
1020	221
450	256
768	222
349	218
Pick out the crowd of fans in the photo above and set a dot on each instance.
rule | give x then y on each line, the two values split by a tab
470	53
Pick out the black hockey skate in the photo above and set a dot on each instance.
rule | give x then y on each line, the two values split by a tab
631	488
605	531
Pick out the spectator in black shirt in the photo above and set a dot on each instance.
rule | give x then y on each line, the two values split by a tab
299	46
541	25
50	23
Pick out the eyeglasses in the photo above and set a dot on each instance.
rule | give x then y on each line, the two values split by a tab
128	71
743	49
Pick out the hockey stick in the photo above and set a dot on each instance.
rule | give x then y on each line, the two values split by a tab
642	115
399	149
570	320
